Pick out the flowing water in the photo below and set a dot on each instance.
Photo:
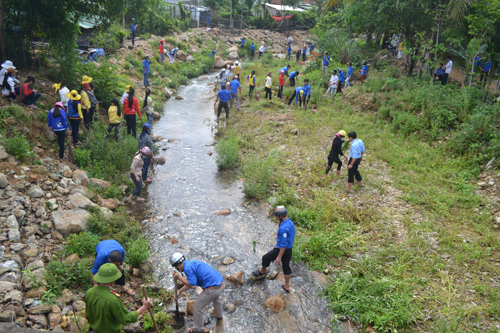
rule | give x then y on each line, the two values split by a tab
185	194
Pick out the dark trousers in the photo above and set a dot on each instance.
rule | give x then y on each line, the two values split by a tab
339	87
117	130
145	168
293	96
32	98
133	37
292	82
131	124
75	127
88	117
260	53
60	141
269	92
138	185
226	108
303	57
288	56
280	91
332	159
353	172
252	88
444	79
285	260
252	52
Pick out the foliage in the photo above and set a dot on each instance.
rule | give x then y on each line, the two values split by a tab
120	226
137	251
82	244
18	146
161	319
258	174
228	152
61	275
82	157
17	112
109	37
339	44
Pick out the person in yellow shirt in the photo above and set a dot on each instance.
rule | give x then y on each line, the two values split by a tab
85	100
251	85
115	119
237	70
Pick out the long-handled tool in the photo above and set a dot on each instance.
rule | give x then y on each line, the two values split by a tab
71	156
179	318
150	310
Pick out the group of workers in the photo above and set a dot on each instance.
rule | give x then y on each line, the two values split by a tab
106	312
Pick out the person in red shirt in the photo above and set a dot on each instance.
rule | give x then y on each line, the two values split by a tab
161	49
130	108
281	81
28	95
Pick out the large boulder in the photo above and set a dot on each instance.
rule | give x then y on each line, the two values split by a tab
233	55
78	200
81	178
3	181
232	49
102	184
219	63
70	221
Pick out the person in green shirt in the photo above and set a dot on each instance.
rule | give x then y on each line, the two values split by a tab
104	308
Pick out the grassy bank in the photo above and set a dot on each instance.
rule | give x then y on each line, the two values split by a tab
415	249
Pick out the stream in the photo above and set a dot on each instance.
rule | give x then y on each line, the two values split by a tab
185	194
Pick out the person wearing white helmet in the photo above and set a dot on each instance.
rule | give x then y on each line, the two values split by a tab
136	173
282	253
202	275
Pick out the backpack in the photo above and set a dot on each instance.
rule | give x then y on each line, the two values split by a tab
92	99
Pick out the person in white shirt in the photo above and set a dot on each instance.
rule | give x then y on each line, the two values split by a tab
262	48
62	93
8	84
125	93
5	66
447	71
332	85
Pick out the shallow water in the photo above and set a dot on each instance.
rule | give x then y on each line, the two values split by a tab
185	194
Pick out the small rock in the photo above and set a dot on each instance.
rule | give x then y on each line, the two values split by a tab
56	235
108	203
136	272
81	178
79	200
20	213
189	307
100	183
14	296
38	320
229	307
11	222
35	191
236	278
36	292
273	275
3	179
79	305
497	219
174	241
481	184
275	303
14	235
40	308
71	258
294	131
29	253
3	154
160	160
54	319
228	261
179	97
223	212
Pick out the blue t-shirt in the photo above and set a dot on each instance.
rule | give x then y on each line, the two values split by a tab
103	249
341	76
242	42
297	93
292	75
326	60
224	95
132	27
284	69
487	67
200	274
234	86
349	71
364	70
57	124
285	234
477	61
145	64
307	90
304	49
440	71
252	47
357	147
289	50
311	47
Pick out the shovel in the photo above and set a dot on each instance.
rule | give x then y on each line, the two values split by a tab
71	156
179	318
150	311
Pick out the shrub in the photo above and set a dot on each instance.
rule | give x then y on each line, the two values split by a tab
405	123
82	244
228	152
258	176
110	37
61	275
17	112
18	146
137	251
82	157
120	226
303	217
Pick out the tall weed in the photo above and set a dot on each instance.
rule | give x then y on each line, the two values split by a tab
228	152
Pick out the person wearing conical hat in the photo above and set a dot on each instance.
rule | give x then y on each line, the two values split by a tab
104	308
63	91
75	115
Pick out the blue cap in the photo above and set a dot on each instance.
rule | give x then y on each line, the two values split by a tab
147	125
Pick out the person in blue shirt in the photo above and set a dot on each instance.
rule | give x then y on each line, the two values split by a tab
57	121
311	48
223	96
326	63
235	90
304	51
145	69
252	50
288	52
306	95
364	72
485	72
292	77
355	157
133	29
297	94
202	275
286	69
243	40
110	251
282	253
439	72
341	76
348	76
477	62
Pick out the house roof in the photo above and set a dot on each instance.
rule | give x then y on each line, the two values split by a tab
285	8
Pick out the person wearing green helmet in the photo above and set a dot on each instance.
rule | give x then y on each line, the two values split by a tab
336	150
282	253
104	308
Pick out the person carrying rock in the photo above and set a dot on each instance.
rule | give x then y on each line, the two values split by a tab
282	253
335	152
203	275
104	308
223	96
355	157
110	251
